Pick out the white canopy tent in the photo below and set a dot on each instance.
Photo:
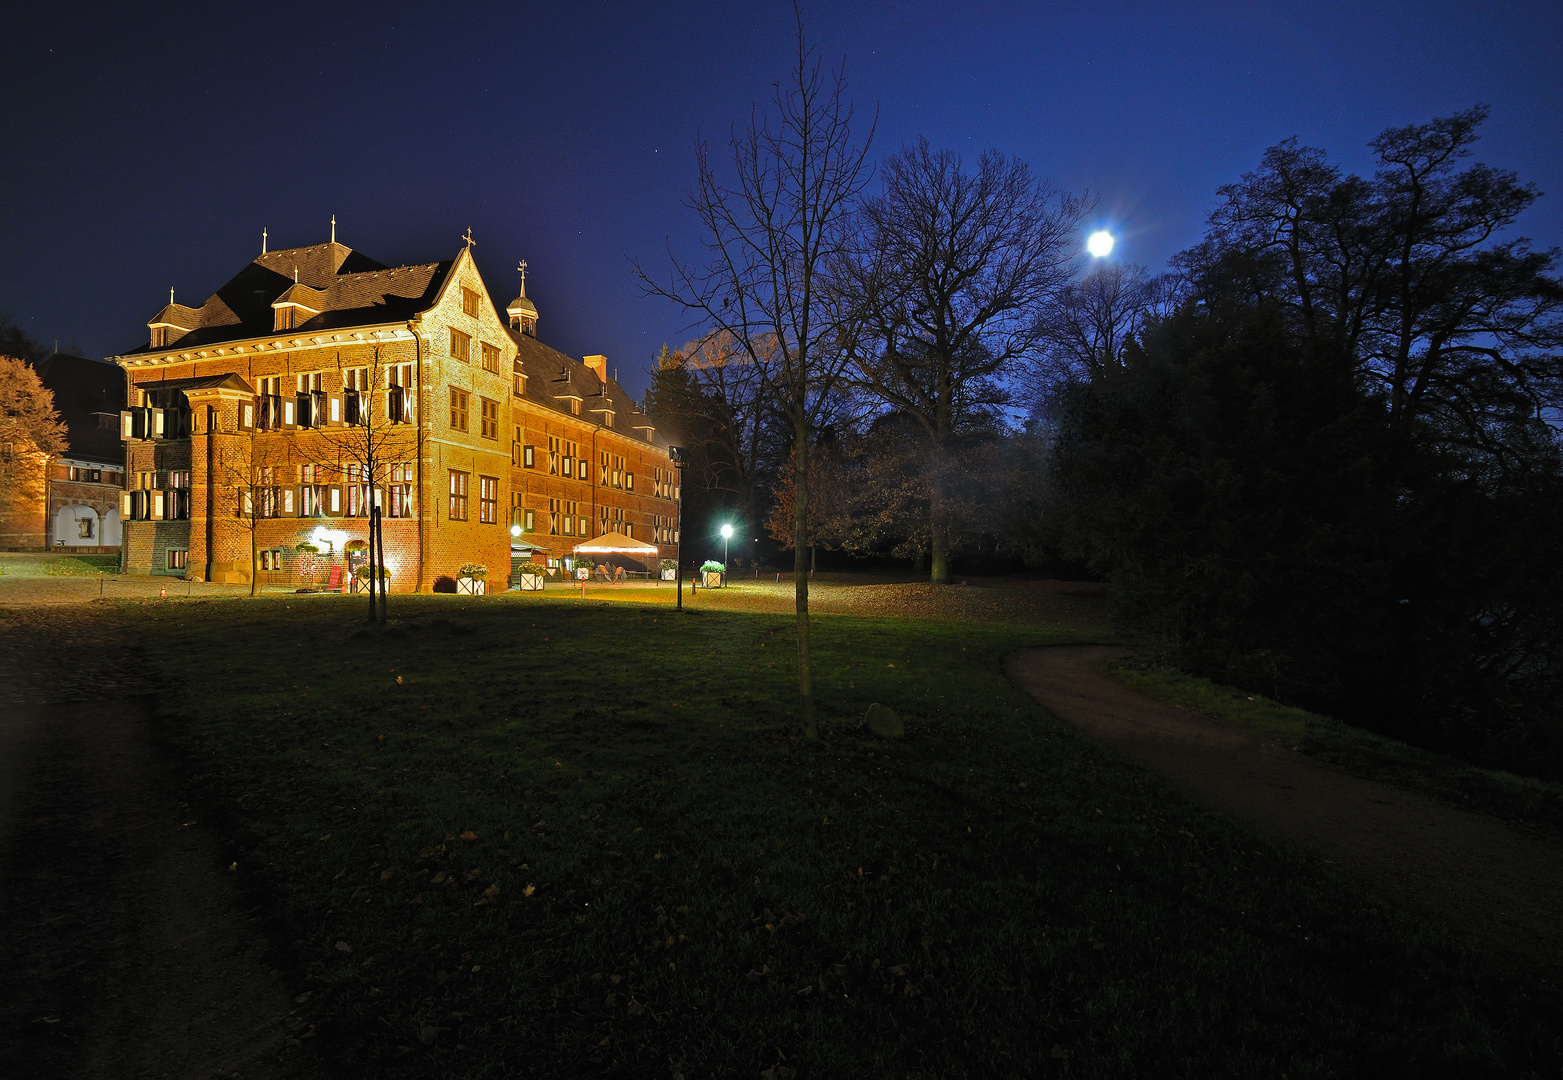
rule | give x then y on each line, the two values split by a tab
616	543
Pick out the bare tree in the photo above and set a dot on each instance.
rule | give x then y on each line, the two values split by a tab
246	468
378	434
771	234
1086	326
949	281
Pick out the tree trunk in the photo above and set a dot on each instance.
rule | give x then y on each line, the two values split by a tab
380	579
371	564
254	553
938	535
800	572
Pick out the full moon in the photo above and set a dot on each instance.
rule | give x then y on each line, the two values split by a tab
1100	243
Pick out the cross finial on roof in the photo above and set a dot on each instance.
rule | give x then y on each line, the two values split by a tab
468	238
522	268
333	228
295	273
170	295
263	240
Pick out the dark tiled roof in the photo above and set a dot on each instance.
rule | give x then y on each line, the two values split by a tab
350	289
228	380
551	375
82	389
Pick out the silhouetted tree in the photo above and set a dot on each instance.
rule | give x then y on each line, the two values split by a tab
771	234
952	272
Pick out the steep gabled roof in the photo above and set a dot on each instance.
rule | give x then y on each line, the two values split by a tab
82	390
551	375
343	287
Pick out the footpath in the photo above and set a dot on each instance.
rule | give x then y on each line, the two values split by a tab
1497	885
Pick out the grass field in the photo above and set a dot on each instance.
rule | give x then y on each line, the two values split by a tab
535	836
1501	794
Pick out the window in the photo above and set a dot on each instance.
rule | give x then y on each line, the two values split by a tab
517	382
398	492
458	409
490	418
553	517
488	499
461	346
529	520
85	528
178	558
176	504
159	337
575	406
458	495
271	559
491	358
553	455
584	524
529	457
586	469
357	490
355	378
469	302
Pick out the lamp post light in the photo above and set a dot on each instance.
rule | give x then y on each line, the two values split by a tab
677	454
727	535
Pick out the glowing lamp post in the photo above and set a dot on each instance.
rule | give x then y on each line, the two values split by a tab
727	535
677	454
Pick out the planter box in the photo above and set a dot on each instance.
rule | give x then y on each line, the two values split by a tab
471	586
710	581
669	575
530	582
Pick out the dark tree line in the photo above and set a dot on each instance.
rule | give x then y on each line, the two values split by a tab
1333	474
1319	458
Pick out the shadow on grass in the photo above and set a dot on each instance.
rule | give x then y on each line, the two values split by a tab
562	838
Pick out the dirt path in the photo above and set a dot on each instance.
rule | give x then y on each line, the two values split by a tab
126	949
1500	886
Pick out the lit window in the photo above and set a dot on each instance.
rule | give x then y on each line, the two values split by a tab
490	357
490	418
469	301
461	346
458	495
458	409
488	499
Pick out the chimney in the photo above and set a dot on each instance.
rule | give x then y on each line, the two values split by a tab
598	364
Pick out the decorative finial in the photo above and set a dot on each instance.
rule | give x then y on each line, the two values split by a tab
263	240
468	238
522	268
333	228
295	273
170	296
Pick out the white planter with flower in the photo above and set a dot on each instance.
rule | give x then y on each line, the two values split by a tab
529	577
470	579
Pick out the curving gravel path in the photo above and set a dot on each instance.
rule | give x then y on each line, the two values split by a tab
1498	885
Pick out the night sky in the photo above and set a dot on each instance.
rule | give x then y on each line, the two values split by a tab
146	146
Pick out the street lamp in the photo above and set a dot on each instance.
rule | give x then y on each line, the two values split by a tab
727	534
676	453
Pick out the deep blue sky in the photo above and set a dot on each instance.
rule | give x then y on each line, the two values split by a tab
145	146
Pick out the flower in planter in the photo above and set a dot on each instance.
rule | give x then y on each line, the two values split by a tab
474	571
711	566
532	568
363	573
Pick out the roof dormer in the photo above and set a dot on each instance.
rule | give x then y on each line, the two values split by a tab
172	323
296	307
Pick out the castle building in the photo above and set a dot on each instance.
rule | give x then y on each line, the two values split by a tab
262	426
85	481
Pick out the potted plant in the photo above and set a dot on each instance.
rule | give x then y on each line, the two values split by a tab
306	559
361	576
529	576
669	569
711	573
582	567
470	578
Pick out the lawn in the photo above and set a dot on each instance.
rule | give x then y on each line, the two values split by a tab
536	836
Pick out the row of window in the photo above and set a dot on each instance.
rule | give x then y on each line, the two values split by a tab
461	349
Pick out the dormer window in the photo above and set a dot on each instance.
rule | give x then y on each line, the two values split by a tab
159	337
286	318
469	302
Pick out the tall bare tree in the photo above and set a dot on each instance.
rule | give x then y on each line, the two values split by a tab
772	231
1086	326
246	467
951	274
378	435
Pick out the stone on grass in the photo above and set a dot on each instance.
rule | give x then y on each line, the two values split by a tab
883	721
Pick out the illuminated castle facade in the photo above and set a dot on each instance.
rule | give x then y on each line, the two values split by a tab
318	383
